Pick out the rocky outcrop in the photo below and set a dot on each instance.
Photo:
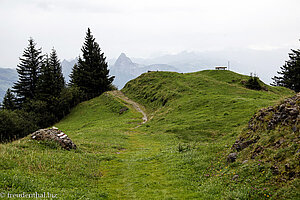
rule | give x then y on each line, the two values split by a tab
272	140
243	143
286	113
53	134
283	118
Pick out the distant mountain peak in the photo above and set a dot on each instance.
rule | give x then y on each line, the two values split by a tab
123	60
123	55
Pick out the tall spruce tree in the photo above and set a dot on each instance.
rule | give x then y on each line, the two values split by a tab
90	74
51	80
9	101
290	72
28	70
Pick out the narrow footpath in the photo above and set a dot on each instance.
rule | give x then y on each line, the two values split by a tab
145	169
135	105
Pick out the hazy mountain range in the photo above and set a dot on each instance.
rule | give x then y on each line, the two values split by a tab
67	68
7	78
245	61
124	70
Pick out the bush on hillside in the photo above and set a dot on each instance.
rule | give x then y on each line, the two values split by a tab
69	98
15	124
253	83
37	114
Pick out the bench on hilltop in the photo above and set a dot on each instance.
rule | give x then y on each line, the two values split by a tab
220	68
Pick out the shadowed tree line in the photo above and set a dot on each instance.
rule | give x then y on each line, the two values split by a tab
289	76
41	97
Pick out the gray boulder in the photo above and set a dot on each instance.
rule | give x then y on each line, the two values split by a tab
53	134
232	157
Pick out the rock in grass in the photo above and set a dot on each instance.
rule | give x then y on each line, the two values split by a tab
242	144
232	157
53	134
245	161
235	177
122	110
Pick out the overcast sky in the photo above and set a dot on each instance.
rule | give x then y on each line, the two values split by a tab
143	28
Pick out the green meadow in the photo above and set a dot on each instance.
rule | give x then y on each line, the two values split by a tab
179	153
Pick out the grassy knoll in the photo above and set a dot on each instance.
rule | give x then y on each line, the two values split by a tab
199	106
180	153
206	111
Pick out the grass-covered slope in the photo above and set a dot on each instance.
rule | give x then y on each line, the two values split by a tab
270	146
180	153
98	130
206	111
199	106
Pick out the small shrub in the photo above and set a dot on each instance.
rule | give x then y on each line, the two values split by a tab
182	147
253	83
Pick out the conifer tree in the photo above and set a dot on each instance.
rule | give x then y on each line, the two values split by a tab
51	80
28	70
8	101
290	72
91	74
57	72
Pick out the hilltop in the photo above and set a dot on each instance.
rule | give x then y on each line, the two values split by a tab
179	153
212	102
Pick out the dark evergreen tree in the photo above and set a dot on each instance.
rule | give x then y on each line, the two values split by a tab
9	101
290	72
28	69
91	74
57	72
51	80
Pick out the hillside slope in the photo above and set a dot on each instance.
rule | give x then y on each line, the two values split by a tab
179	153
210	108
212	103
269	148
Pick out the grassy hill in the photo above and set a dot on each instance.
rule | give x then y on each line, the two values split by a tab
180	153
199	106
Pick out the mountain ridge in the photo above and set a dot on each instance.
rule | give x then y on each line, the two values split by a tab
8	77
124	69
